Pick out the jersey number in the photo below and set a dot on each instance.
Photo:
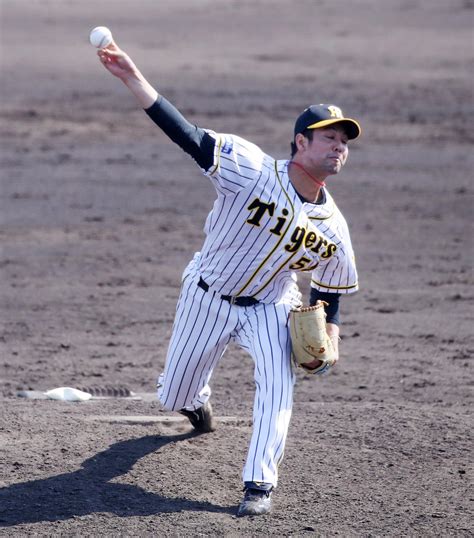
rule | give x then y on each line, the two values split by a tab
302	265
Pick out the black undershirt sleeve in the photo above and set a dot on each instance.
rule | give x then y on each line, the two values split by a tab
332	308
193	140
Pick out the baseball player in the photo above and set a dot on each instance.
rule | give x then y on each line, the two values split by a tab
271	219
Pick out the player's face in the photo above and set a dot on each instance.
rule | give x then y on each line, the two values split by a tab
327	153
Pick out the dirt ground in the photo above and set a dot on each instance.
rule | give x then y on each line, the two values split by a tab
100	214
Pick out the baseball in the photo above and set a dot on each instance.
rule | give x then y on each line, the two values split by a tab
100	37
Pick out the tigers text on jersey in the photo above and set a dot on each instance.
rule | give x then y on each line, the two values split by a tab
259	232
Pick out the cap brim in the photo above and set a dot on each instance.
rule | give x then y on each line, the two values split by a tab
352	127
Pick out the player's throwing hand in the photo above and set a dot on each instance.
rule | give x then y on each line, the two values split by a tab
116	61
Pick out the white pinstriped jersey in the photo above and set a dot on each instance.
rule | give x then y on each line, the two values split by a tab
259	232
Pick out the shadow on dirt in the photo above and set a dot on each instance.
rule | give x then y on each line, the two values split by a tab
89	490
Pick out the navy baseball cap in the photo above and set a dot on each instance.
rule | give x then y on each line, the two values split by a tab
317	116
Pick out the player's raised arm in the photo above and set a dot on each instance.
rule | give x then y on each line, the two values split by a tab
193	140
121	65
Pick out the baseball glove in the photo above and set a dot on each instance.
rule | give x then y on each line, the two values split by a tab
310	340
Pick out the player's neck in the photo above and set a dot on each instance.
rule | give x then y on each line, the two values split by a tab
306	184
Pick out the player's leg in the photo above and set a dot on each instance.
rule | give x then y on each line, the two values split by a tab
266	336
201	332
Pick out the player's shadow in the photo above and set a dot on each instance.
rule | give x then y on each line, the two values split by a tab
89	489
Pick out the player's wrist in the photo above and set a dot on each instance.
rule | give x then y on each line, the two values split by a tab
132	77
142	90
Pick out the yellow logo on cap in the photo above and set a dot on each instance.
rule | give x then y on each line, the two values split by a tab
335	111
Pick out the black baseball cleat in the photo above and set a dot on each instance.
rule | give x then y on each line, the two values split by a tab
201	419
256	502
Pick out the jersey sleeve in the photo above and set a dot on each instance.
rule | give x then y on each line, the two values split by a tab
237	162
339	274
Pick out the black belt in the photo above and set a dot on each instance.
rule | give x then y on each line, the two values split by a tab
239	301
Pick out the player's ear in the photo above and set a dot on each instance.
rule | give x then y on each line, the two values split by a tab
301	142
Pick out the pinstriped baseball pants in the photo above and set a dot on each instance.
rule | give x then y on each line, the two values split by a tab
203	327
